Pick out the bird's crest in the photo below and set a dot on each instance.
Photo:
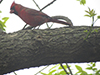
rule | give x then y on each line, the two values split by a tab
13	4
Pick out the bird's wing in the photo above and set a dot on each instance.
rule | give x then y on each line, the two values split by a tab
36	13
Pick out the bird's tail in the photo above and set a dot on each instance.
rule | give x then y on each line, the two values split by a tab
61	22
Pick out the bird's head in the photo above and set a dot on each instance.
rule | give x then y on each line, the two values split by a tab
13	9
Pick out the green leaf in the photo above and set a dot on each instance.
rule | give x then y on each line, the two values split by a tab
91	13
89	68
78	68
63	66
82	2
51	73
62	73
90	74
54	67
43	73
2	25
85	31
84	73
87	15
91	63
94	69
5	19
94	14
86	11
98	72
0	11
96	32
94	63
98	17
89	9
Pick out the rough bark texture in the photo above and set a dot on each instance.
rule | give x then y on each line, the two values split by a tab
31	48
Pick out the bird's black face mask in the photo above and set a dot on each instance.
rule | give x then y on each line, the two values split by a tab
12	10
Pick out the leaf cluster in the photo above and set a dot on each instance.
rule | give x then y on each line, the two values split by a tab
56	70
82	2
2	22
90	12
91	67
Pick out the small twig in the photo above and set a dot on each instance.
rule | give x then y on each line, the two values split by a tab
36	4
15	73
64	69
69	69
90	29
48	5
1	1
24	26
41	70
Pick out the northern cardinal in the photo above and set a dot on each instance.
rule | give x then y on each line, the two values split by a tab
32	16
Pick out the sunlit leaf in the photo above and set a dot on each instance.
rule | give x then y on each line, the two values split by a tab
2	25
78	68
43	73
5	19
54	67
89	68
63	66
87	15
94	63
62	73
82	2
51	72
83	73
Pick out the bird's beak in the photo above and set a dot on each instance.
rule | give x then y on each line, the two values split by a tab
11	11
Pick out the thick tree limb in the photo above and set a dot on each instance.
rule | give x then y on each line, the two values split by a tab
31	48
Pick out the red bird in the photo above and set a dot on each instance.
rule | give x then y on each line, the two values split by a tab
32	16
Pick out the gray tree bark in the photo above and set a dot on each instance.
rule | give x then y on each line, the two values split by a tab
32	48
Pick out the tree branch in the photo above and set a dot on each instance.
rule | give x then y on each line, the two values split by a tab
64	69
1	1
48	5
69	69
32	48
